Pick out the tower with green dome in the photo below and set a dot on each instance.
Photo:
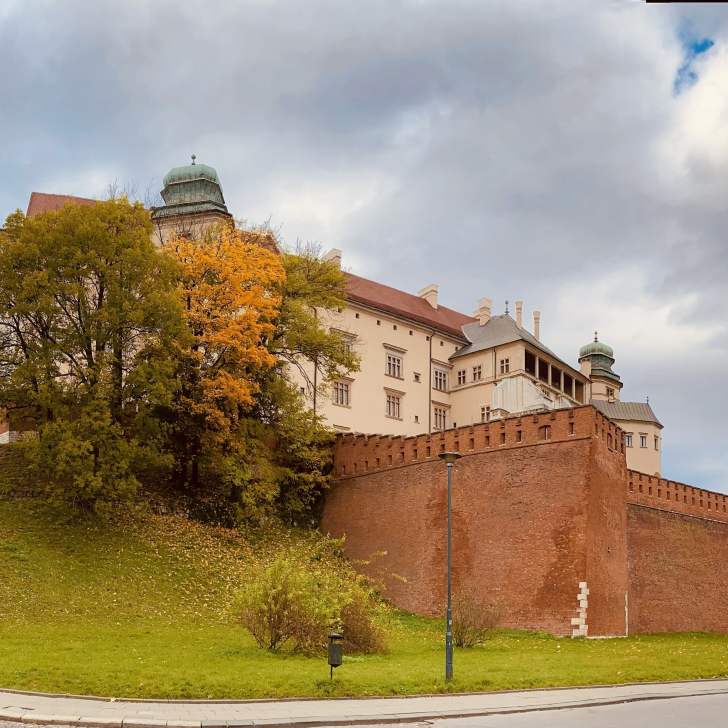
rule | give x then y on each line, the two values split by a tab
193	200
596	360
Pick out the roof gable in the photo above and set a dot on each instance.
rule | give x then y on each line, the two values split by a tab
497	331
635	411
406	305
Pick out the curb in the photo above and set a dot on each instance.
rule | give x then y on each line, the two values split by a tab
32	718
309	698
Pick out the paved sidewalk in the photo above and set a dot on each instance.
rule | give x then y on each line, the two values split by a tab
72	710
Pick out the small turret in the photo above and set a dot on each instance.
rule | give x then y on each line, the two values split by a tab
596	359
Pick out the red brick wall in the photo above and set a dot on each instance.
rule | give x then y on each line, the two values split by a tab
532	517
606	540
678	579
648	490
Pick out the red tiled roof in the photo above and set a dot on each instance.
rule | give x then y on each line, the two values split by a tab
399	303
43	202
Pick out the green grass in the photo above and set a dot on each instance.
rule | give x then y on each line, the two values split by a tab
141	608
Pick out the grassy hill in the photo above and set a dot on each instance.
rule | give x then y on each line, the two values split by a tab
141	607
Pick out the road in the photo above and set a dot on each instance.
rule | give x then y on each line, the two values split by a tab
708	711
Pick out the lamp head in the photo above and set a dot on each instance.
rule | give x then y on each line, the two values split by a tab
450	457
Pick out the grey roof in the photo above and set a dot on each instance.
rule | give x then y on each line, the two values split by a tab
636	411
499	330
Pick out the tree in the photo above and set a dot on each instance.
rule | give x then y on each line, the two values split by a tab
229	290
87	311
241	433
312	287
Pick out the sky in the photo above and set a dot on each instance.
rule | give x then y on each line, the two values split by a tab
570	154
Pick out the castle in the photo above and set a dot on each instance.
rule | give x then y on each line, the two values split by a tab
560	512
424	367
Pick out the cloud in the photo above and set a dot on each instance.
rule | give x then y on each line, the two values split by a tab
514	150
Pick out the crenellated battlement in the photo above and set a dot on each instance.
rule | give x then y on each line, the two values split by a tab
356	454
669	495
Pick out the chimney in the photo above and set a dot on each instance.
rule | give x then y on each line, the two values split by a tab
519	314
429	293
483	312
333	256
537	324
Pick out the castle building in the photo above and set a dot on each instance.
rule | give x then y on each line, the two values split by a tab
428	368
424	367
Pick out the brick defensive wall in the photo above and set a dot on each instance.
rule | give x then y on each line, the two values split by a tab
357	454
548	522
538	526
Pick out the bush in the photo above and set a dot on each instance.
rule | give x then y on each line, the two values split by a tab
473	621
360	629
299	602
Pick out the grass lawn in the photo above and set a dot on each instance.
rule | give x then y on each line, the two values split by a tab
142	609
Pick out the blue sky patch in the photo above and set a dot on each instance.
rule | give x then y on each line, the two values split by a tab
686	75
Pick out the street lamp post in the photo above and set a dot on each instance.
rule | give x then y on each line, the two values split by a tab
449	458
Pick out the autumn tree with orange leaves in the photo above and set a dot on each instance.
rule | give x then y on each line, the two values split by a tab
229	287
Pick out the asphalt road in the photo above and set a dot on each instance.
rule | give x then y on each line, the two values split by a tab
708	711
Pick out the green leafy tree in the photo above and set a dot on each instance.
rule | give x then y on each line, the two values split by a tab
312	287
87	313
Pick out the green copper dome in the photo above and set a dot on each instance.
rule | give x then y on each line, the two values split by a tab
596	347
191	189
189	173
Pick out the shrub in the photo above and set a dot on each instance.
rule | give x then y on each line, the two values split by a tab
473	621
284	603
298	602
360	629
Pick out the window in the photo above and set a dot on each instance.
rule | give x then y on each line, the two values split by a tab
461	376
657	442
440	418
643	440
505	366
393	406
485	414
440	380
417	376
417	419
610	392
628	439
545	432
394	366
530	363
342	393
477	373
